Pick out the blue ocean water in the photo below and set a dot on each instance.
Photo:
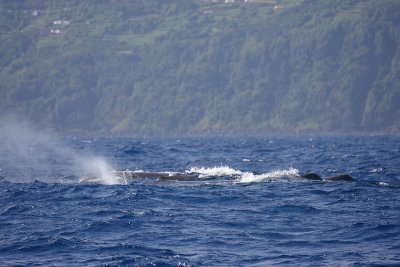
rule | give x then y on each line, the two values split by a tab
248	207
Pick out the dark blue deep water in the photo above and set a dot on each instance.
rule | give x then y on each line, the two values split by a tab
248	208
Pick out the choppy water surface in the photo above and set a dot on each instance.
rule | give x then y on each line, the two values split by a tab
248	207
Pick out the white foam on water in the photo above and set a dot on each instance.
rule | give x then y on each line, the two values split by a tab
214	171
383	184
244	177
249	177
377	170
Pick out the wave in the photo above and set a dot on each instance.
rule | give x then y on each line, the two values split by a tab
249	177
243	177
205	172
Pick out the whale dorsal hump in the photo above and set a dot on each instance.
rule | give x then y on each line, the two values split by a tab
340	177
311	176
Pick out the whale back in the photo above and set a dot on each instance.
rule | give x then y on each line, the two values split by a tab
311	176
340	177
157	175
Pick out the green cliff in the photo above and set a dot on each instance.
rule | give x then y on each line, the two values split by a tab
197	67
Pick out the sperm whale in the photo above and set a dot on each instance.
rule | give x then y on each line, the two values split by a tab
188	177
156	175
316	177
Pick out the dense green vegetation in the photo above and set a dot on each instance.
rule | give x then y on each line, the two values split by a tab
197	67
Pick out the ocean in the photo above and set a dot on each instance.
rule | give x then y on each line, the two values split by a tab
62	205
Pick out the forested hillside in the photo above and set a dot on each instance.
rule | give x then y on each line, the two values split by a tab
167	67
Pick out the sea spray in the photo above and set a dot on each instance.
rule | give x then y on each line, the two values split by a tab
214	171
242	176
249	177
97	170
29	154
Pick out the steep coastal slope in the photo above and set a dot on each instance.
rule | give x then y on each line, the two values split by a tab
197	67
